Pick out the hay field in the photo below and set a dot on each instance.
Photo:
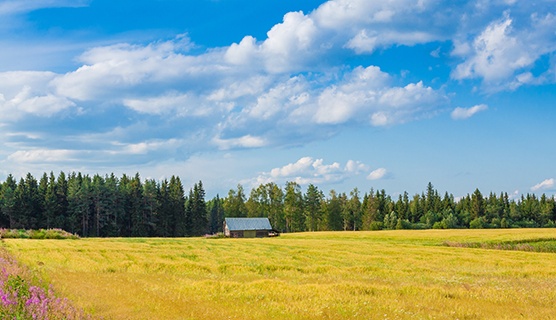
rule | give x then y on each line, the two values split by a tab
322	275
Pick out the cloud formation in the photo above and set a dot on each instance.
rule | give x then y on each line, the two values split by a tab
377	174
548	184
289	89
308	170
464	113
503	55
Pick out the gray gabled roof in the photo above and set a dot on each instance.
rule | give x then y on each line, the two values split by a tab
239	224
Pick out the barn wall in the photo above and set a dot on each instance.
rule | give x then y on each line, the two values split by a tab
249	234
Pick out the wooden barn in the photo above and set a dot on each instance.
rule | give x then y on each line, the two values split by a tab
248	228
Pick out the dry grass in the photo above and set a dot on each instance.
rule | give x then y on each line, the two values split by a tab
322	275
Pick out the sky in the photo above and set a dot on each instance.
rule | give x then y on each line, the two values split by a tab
388	94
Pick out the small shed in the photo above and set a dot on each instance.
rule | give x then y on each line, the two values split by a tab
248	227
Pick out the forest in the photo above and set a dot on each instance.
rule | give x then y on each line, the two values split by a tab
110	206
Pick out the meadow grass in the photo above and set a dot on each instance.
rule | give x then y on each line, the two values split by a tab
320	275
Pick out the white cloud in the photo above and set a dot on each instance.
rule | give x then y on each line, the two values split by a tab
501	54
464	113
43	155
548	184
368	41
246	141
287	89
26	102
10	7
377	174
308	170
145	147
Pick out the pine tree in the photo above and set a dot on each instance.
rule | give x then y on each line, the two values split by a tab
293	208
9	201
313	198
216	215
50	202
177	207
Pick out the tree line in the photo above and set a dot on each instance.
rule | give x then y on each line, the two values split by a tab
110	206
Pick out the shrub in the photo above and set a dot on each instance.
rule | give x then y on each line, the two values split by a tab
419	226
376	225
550	224
478	223
438	225
449	222
403	224
36	234
495	223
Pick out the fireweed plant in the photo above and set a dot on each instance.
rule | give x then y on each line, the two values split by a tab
23	296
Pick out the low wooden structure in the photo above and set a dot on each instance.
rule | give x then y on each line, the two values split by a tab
248	228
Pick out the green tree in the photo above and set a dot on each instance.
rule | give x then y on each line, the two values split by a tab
196	211
313	199
293	208
234	204
9	201
477	205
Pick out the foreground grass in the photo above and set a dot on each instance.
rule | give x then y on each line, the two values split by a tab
362	275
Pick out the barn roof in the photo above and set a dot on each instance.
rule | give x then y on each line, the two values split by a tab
239	224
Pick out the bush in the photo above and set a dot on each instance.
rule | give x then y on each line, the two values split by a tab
419	226
449	222
495	223
36	234
376	225
438	225
527	224
550	224
478	223
403	224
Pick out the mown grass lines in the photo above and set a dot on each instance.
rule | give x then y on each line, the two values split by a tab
336	275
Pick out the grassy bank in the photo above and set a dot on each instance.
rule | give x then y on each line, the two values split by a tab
362	275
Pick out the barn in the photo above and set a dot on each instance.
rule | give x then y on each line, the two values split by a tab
248	228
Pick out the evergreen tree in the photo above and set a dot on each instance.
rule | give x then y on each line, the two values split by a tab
196	212
477	205
216	215
293	208
313	199
177	212
9	201
50	204
332	212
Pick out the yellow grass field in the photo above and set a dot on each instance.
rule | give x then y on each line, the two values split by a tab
322	275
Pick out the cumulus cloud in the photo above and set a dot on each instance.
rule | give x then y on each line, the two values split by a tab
28	102
464	113
308	170
287	89
548	184
501	54
377	174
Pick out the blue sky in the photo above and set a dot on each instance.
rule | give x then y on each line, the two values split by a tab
342	94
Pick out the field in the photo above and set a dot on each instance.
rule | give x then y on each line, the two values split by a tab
322	275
